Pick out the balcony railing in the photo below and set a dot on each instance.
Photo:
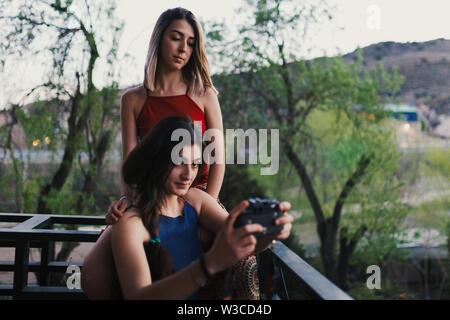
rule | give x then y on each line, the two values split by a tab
37	231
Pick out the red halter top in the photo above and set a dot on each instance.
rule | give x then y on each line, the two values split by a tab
157	108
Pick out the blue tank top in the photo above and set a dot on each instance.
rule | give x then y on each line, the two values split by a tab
179	236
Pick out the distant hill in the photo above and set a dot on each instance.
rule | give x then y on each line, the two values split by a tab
426	68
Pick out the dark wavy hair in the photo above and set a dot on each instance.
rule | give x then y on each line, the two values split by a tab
146	170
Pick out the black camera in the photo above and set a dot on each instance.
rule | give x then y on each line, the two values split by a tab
263	212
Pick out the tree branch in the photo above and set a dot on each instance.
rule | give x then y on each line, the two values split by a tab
363	163
307	183
40	23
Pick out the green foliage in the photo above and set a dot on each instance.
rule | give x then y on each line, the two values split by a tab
432	214
376	202
75	117
277	184
378	249
65	200
429	170
389	291
41	126
330	114
448	236
31	189
293	243
6	192
436	163
273	25
286	186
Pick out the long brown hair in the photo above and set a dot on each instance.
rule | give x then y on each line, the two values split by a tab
146	170
196	71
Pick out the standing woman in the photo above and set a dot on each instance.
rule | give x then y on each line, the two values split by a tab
177	82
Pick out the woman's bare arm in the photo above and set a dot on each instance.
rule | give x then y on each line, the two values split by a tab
210	214
213	217
128	237
213	118
130	106
128	128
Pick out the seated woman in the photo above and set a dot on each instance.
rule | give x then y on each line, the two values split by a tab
155	248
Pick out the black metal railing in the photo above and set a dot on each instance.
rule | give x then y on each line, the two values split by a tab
37	231
304	280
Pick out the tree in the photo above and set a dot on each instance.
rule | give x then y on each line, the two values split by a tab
276	90
71	35
67	38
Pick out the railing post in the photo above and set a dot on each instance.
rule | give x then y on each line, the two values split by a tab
46	257
21	266
265	275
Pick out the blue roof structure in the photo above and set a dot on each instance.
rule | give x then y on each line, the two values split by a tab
406	112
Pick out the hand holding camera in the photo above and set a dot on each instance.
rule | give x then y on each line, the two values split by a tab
269	213
266	219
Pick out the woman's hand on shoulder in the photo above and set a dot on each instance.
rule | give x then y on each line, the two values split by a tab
129	215
117	209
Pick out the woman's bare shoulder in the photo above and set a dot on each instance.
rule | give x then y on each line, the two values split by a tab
195	194
209	93
134	96
206	98
131	221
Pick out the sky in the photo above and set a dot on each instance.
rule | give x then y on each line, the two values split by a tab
356	23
